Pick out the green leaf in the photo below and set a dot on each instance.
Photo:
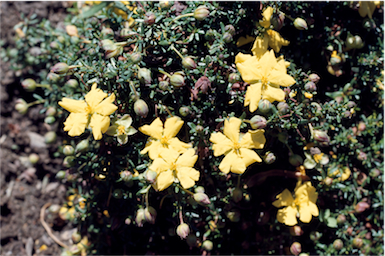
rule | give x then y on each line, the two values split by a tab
94	9
331	222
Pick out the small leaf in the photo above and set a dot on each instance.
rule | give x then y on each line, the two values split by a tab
331	222
94	9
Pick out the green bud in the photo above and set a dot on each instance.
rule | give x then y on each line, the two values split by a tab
207	245
21	106
283	108
296	248
150	176
141	108
69	161
82	146
33	158
315	235
227	37
60	68
202	199
60	175
234	215
76	237
51	111
300	24
177	80
258	122
164	4
296	230
358	44
189	63
201	13
199	189
163	85
49	120
234	77
149	19
29	85
150	214
125	32
140	218
230	29
269	158
341	219
106	32
61	39
184	111
322	137
50	137
314	78
183	230
310	86
357	242
117	193
126	175
73	83
68	150
52	77
144	75
136	57
264	106
237	195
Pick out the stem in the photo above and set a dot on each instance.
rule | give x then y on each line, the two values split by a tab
287	16
47	86
35	103
74	66
164	73
182	16
147	198
175	50
133	90
181	215
185	190
121	44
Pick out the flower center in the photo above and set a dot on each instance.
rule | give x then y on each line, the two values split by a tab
164	141
236	147
89	110
121	130
264	80
318	157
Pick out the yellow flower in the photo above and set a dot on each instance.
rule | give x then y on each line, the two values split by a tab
276	41
308	95
264	76
266	14
171	166
163	137
303	204
121	128
237	147
344	175
94	112
367	8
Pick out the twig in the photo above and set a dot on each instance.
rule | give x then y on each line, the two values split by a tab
47	228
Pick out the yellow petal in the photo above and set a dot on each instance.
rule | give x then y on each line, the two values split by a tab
250	70
99	124
306	211
267	63
172	127
159	165
106	108
260	46
94	96
276	41
267	13
366	8
153	148
273	94
232	162
287	215
244	40
169	155
76	123
283	199
253	96
249	156
177	145
258	138
231	129
73	106
187	159
164	180
154	130
241	57
221	143
72	30
187	176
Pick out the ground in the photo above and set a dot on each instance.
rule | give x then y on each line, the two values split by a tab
25	188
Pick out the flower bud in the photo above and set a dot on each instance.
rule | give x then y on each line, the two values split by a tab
125	32
149	19
60	175
49	120
183	230
82	146
258	122
184	111
192	240
140	218
29	85
106	32
300	24
201	13
362	156
50	137
322	137
283	108
202	199
357	242
295	160
199	189
230	29
117	193
296	248
328	181
237	195
69	161
209	35
21	106
189	63
361	207
227	37
54	45
177	80
338	244
234	77
68	150
234	215
150	176
136	57
60	68
341	219
144	75
264	106
73	83
150	214
51	111
351	104
141	108
126	175
358	44
310	86
361	126
163	85
33	158
277	21
52	77
314	78
164	4
375	173
269	158
315	235
207	245
76	237
296	230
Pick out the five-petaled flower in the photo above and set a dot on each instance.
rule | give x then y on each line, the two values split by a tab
161	138
265	77
92	112
303	205
237	147
121	128
171	166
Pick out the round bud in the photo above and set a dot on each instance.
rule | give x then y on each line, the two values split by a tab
150	214
201	13
76	237
141	108
269	158
184	111
234	215
283	108
264	106
227	37
202	199
258	122
310	86
21	106
136	57
296	248
338	244
69	161
357	242
73	83
51	111
230	29
300	24
149	19
177	80
49	120
144	75
60	68
50	137
234	77
207	245
68	150
189	63
183	230
163	85
82	146
29	84
33	158
52	77
140	219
